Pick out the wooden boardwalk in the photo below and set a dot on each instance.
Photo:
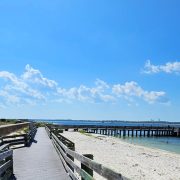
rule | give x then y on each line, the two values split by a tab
40	161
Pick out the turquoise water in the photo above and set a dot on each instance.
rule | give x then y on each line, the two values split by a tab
171	144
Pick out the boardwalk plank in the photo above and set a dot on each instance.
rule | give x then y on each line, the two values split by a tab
40	161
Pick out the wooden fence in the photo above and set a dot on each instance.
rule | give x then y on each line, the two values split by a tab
66	150
6	162
25	138
7	129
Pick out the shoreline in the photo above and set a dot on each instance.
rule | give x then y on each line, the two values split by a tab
133	161
150	146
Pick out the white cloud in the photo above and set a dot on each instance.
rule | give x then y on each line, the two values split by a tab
81	93
101	84
26	87
107	98
130	89
32	87
17	85
169	67
11	77
9	97
35	76
88	94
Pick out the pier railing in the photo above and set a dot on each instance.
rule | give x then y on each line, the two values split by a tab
156	131
132	131
25	138
66	150
6	162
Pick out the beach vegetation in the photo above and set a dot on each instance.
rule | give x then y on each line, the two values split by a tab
7	121
84	132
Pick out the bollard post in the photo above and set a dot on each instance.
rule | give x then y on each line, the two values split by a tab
85	168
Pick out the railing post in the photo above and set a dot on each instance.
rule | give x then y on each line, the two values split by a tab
50	133
26	138
73	149
11	159
1	139
85	168
8	172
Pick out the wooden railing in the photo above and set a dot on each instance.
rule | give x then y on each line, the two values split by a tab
30	135
63	139
10	128
25	138
14	139
68	155
6	162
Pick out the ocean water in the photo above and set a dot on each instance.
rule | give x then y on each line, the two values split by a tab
109	123
171	144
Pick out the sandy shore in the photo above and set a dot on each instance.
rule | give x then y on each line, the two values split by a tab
132	161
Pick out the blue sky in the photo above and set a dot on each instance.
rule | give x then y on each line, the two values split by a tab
90	59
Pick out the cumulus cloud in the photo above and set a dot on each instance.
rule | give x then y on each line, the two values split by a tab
91	94
169	67
33	87
130	89
10	98
107	93
35	76
22	89
17	86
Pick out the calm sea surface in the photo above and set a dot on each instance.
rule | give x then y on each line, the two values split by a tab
110	123
171	144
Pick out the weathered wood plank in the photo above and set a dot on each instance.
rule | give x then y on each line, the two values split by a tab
5	166
14	141
41	162
14	136
71	173
3	147
99	168
5	154
80	171
18	143
8	175
7	129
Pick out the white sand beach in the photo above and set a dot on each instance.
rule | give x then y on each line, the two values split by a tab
132	161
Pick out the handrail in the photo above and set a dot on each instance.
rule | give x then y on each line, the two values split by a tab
6	162
4	147
25	138
81	172
65	141
12	136
7	129
65	152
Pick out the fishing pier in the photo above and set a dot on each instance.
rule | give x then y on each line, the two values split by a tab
133	131
123	131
